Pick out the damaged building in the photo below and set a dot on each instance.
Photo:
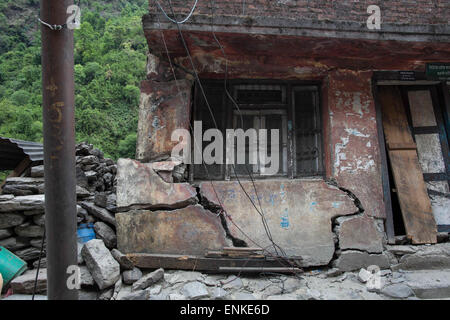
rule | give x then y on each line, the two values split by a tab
363	119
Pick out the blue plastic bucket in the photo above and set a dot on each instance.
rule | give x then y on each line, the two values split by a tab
11	265
85	232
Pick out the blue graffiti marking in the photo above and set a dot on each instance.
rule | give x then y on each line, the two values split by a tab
285	220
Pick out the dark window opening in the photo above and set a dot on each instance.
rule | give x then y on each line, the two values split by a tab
291	107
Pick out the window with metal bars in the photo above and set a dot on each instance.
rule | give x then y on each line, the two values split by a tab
291	107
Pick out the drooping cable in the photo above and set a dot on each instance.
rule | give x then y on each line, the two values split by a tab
173	20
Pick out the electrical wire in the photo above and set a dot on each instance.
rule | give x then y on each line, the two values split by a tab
175	21
215	123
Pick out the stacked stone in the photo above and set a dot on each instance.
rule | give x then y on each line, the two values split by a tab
22	205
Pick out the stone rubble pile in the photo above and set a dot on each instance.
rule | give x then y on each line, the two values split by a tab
22	205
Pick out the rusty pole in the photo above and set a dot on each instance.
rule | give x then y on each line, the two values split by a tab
59	148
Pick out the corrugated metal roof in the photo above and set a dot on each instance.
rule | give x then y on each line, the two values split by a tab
13	151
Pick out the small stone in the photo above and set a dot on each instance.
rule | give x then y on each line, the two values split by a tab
147	280
291	285
101	200
364	275
400	291
87	295
106	233
39	220
194	290
80	259
28	254
272	290
184	276
131	276
333	272
123	260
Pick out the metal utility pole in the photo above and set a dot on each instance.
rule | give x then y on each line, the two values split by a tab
59	147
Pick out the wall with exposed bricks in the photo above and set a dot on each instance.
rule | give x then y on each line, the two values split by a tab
396	11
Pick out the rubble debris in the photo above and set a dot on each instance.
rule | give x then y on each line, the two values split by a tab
147	280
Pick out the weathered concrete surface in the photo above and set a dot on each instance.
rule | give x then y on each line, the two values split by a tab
429	284
360	233
354	152
162	110
191	230
353	260
298	213
139	186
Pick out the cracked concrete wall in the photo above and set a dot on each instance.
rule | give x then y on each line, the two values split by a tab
319	221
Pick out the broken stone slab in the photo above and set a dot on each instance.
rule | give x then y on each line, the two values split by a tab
147	280
29	230
5	233
140	187
15	243
131	276
103	267
401	250
353	260
194	290
232	282
175	296
433	257
123	260
106	233
359	233
191	231
429	284
22	203
294	209
24	284
398	291
100	213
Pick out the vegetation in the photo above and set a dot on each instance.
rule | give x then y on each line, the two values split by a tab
110	58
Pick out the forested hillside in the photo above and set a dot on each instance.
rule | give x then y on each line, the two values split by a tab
110	58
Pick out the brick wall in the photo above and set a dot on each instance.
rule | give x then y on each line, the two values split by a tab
398	11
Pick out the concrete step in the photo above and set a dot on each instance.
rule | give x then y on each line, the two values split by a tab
429	284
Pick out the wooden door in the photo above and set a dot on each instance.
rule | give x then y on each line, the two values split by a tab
414	202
